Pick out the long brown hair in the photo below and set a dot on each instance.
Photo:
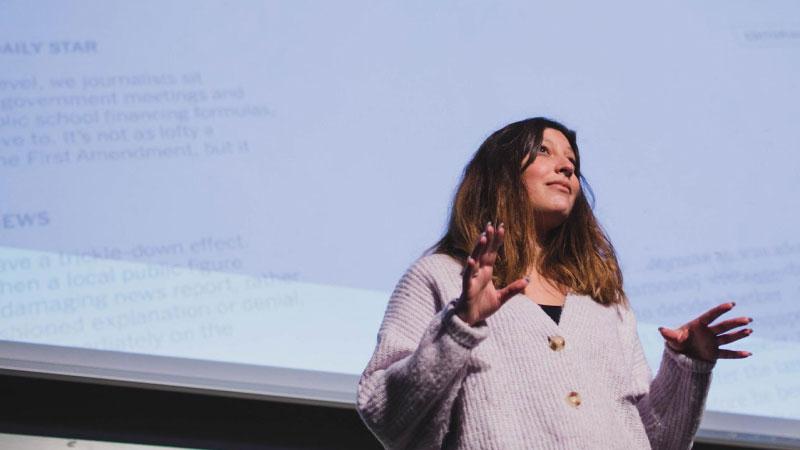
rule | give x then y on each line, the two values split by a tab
577	254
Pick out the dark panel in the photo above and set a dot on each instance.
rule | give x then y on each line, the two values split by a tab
124	414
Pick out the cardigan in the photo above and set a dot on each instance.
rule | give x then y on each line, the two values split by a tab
517	380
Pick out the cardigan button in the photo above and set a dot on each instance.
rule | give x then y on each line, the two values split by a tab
556	343
574	399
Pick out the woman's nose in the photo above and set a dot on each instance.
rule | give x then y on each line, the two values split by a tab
565	167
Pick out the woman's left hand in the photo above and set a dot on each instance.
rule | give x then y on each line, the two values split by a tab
699	339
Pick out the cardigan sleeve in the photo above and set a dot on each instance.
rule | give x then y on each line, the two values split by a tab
410	384
671	404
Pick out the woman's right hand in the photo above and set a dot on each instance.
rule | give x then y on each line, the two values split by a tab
479	297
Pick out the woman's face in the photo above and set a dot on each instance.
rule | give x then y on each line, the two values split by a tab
551	181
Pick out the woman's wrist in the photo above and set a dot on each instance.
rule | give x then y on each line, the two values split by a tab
462	312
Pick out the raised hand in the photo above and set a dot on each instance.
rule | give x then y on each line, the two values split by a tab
700	340
479	296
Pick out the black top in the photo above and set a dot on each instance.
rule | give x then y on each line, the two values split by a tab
553	311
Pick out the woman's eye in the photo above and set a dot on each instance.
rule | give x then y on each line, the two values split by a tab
543	150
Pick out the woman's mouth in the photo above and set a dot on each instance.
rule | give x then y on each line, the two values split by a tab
563	187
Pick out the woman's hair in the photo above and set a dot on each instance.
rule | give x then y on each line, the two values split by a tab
576	254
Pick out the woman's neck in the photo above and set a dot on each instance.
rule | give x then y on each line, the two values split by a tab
545	291
541	289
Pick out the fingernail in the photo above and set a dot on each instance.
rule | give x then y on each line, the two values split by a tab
749	354
749	331
527	279
749	319
502	225
733	304
483	234
489	223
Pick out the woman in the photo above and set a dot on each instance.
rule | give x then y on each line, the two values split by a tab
552	358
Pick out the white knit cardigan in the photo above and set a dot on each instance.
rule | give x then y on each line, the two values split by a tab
435	382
